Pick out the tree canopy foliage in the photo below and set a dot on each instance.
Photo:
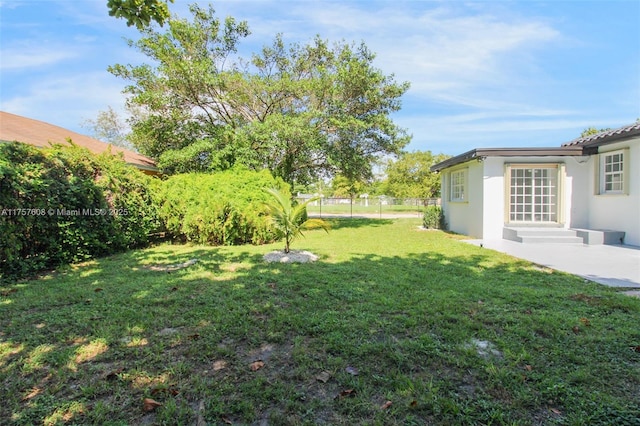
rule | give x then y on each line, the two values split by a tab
589	131
410	176
301	111
140	12
344	187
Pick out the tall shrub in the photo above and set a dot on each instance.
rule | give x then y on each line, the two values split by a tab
225	208
433	218
64	204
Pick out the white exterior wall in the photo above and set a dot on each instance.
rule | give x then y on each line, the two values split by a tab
494	202
483	214
476	198
620	212
464	217
577	183
573	202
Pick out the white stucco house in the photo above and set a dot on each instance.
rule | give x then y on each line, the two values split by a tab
587	190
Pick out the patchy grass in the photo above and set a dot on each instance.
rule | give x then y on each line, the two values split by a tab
392	326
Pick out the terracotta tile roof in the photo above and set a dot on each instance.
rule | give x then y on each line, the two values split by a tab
38	133
607	136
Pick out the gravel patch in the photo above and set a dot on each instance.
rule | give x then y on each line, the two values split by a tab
294	256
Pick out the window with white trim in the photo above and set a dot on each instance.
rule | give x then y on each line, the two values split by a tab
458	187
612	172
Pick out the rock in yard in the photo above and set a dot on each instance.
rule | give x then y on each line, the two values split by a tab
294	256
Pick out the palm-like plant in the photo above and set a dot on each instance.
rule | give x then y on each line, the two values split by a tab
287	219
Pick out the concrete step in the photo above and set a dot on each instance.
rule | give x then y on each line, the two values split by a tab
600	236
550	232
561	235
531	235
551	239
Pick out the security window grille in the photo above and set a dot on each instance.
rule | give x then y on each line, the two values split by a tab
533	195
613	172
458	185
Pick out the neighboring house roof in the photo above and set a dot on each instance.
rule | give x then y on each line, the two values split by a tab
608	136
40	134
581	146
480	153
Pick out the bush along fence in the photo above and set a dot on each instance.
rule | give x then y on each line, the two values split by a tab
65	204
369	205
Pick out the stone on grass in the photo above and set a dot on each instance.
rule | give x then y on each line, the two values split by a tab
485	349
294	256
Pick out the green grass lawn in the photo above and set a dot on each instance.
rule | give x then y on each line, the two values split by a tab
387	328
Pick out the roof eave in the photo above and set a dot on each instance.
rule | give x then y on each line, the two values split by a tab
144	167
481	153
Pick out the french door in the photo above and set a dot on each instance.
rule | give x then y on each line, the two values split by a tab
533	194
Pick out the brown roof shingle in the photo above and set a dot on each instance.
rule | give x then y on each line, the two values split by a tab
38	133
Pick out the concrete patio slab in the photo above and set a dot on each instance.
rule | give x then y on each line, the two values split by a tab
611	265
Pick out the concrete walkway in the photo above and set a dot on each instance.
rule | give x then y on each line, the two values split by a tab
611	265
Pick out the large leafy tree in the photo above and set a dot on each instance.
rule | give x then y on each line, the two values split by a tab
410	175
301	111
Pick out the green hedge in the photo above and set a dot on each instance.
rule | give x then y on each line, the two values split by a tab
225	208
64	204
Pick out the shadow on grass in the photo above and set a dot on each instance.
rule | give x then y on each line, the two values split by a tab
114	330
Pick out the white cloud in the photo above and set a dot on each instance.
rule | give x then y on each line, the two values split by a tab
13	4
19	58
68	100
438	50
457	55
457	133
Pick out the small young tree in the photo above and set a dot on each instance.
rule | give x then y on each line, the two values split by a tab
288	219
108	127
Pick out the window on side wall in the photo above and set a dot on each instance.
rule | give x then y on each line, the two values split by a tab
612	169
458	186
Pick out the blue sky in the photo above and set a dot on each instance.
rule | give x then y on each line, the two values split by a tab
482	74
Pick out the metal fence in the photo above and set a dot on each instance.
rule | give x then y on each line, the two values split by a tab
369	206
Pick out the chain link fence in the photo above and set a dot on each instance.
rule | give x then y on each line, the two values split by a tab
368	206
